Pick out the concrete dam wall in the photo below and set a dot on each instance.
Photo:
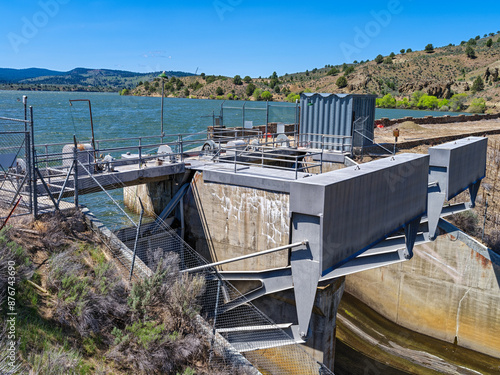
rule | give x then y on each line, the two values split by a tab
224	221
449	290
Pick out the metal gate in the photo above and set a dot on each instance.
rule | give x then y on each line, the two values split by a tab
16	172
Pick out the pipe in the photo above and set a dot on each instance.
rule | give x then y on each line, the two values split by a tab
243	257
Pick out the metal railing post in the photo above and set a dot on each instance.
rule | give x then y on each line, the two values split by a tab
137	233
296	167
243	117
296	127
267	117
181	148
75	167
33	165
140	152
321	163
47	160
235	158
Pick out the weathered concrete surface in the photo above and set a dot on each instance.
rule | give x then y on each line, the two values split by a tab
154	195
447	291
225	221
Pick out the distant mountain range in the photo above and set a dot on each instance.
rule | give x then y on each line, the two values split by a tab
36	78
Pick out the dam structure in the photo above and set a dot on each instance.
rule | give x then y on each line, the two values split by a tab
279	219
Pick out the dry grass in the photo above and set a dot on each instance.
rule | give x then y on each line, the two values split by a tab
92	321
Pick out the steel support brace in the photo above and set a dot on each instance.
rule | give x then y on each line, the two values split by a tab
411	231
473	189
435	201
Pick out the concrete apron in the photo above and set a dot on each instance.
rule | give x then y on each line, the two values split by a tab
449	291
225	221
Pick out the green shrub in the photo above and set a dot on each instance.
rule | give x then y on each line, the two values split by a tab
348	70
429	48
219	91
267	96
333	71
237	80
478	105
427	102
469	51
471	42
247	79
443	102
257	93
477	85
341	82
387	101
379	59
402	51
489	43
292	97
250	89
457	102
388	60
405	103
415	97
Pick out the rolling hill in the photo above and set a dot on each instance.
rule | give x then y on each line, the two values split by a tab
79	78
439	72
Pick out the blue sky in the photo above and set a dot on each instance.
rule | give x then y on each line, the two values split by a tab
228	37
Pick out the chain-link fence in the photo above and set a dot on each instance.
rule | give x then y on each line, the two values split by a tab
244	328
15	162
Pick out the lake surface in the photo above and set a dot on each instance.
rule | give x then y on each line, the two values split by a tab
131	116
115	116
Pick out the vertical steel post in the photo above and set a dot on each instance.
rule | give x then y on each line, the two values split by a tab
484	221
222	114
243	119
136	240
235	156
33	165
267	117
215	319
28	151
75	167
162	96
140	152
162	76
296	127
181	148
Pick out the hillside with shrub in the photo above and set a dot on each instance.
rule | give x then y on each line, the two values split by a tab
78	313
450	78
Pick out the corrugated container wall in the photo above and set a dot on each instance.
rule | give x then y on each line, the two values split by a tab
329	118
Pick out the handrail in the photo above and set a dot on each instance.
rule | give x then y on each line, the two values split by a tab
375	144
247	256
269	157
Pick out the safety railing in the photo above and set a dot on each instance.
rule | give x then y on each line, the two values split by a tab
270	157
326	142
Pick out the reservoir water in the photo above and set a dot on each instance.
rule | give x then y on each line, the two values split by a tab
132	116
115	116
